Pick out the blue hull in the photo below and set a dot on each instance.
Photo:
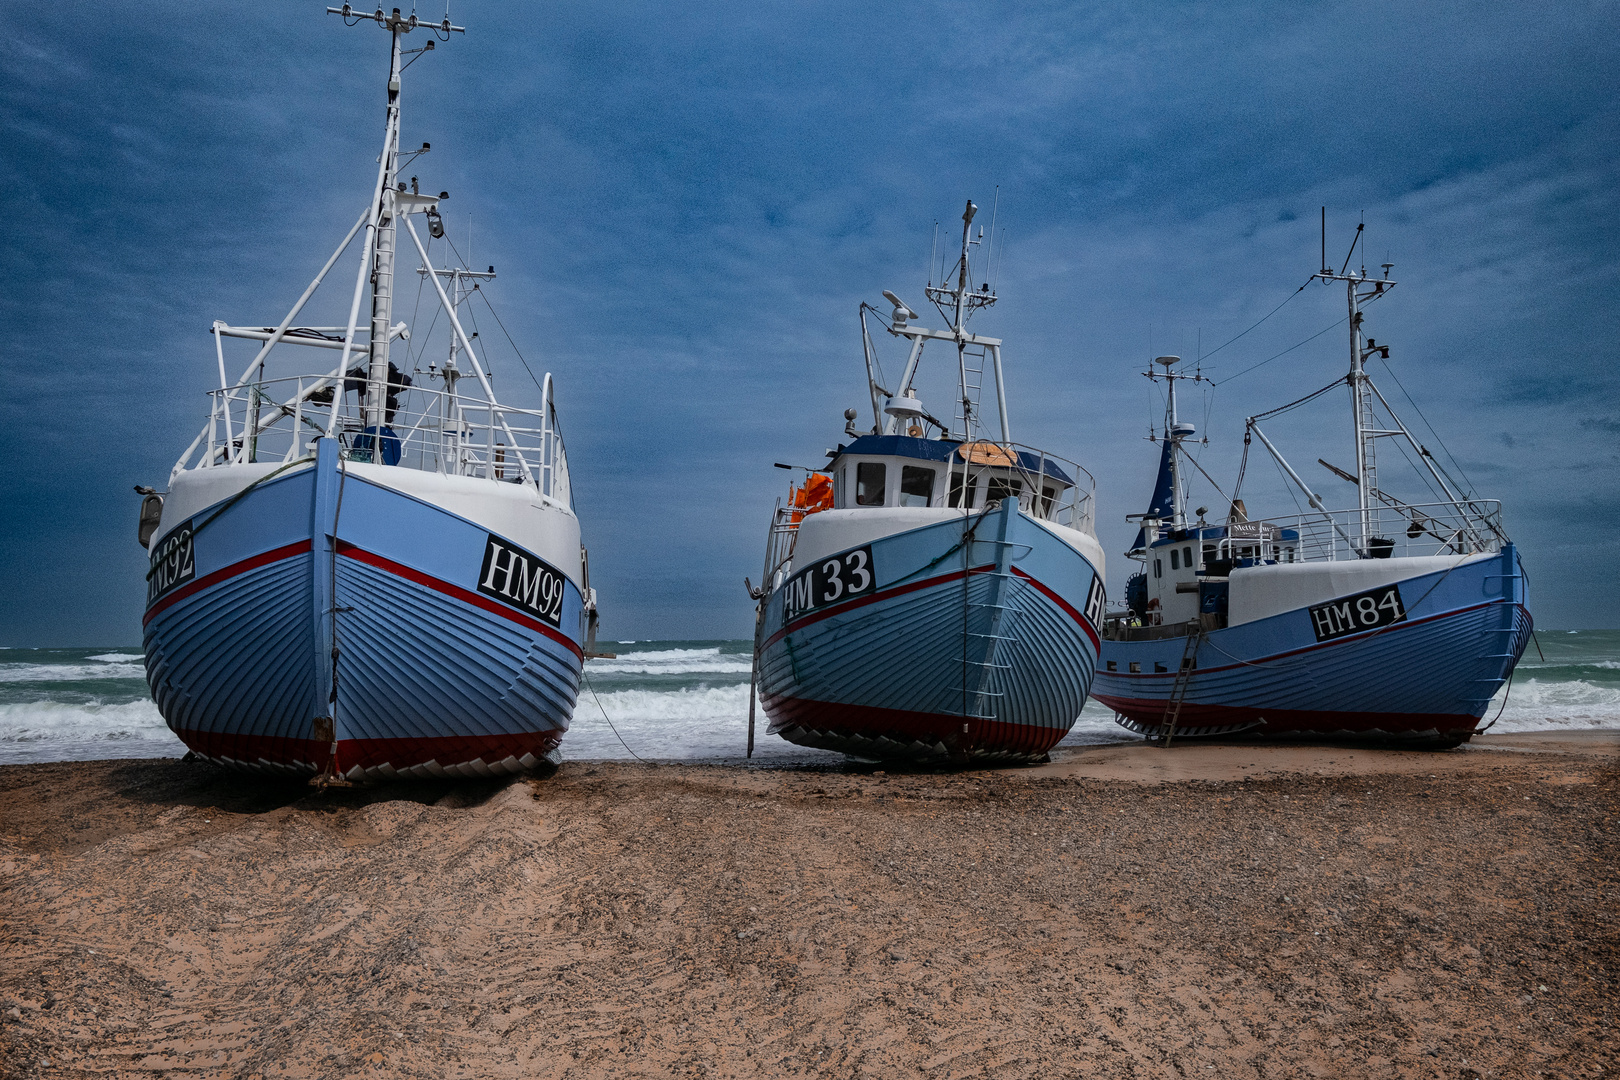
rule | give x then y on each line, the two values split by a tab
961	650
1428	677
431	675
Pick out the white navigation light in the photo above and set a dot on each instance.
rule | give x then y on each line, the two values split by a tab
905	405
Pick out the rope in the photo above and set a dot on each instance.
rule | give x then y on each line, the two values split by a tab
240	495
1503	709
616	734
1296	403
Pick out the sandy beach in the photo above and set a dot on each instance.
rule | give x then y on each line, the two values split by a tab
1231	911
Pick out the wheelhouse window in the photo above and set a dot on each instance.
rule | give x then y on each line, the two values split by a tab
1175	559
1158	568
871	477
916	485
1048	498
1001	487
959	496
838	488
1186	557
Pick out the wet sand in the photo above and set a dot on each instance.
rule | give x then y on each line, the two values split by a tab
1228	911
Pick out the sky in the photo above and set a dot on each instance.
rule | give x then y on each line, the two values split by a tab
685	205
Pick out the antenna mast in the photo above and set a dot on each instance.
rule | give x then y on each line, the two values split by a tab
384	218
1359	288
1175	431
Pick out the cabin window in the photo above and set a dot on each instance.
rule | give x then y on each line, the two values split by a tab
871	477
838	488
1113	666
1158	568
1175	559
1186	557
960	480
1209	554
1048	498
1000	488
1136	667
916	485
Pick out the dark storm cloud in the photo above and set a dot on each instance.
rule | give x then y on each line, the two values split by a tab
687	204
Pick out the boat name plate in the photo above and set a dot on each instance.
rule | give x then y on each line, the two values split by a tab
829	581
1353	614
522	579
173	564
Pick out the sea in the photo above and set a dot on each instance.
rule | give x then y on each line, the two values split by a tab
672	701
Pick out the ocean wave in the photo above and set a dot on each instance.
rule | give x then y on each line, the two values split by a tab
674	662
58	731
1535	705
119	657
27	673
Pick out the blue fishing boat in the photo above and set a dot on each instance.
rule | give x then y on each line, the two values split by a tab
352	574
931	593
1395	620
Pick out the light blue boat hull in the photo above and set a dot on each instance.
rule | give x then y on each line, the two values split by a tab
1427	677
976	650
432	676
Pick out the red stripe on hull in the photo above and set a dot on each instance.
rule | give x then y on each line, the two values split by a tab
368	754
867	722
264	558
1150	711
350	551
1091	631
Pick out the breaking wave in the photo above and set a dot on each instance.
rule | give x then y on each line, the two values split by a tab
61	731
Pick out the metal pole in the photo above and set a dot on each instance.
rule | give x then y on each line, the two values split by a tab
1357	400
1001	393
893	422
382	281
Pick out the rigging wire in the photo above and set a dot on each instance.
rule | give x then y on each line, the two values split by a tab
509	340
1204	356
1441	442
1208	477
1285	352
502	325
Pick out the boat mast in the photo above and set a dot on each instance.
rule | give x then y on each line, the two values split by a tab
958	306
1361	393
1175	432
382	267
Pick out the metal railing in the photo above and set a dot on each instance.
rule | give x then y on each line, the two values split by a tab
430	430
1464	527
1039	475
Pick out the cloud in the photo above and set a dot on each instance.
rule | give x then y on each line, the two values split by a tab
686	205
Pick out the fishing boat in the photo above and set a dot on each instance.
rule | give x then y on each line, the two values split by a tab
1390	619
931	593
355	573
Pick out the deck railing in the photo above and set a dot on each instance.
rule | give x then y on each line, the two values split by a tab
1075	506
434	431
1464	527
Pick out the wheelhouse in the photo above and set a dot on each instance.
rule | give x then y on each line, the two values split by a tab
904	471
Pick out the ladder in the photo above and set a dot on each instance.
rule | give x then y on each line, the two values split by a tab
972	390
1003	624
1178	692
